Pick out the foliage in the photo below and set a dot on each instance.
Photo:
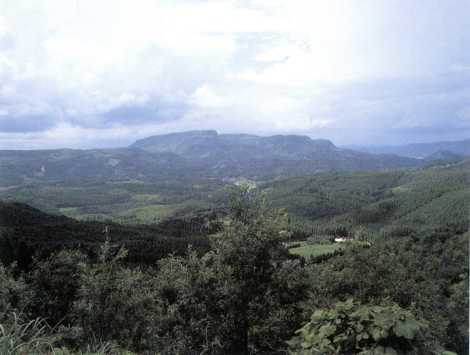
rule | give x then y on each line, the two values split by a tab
56	281
351	327
242	296
252	250
116	303
421	273
191	291
15	294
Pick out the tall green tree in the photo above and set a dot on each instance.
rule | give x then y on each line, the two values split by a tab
244	295
263	303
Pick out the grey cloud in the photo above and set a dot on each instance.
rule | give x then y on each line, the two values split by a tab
398	111
426	98
26	123
135	115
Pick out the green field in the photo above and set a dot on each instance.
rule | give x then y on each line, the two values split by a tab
314	250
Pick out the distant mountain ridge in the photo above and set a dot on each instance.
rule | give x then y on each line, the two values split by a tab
205	144
193	155
422	150
266	157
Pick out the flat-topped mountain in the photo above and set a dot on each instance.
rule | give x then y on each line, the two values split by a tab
193	155
210	144
256	157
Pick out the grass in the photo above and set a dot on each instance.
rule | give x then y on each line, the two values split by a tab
151	213
147	198
30	337
400	189
308	250
69	211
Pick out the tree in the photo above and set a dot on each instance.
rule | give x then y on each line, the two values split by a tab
244	295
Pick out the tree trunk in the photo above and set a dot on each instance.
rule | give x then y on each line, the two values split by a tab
245	336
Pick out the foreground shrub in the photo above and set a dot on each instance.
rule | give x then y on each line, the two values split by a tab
352	328
55	282
15	294
116	303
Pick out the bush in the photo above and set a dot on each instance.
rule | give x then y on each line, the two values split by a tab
353	328
117	303
56	281
15	294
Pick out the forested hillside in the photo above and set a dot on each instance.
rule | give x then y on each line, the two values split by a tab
257	271
431	197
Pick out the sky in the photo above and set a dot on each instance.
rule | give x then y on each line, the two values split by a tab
87	73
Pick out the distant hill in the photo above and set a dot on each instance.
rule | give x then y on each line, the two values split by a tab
191	156
264	157
25	167
422	150
211	145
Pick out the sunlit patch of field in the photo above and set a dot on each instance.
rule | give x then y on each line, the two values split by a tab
400	189
147	198
151	213
313	250
70	211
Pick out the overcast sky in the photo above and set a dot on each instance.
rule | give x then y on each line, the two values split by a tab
88	73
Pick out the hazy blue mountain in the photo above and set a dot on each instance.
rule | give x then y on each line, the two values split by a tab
209	144
421	150
192	155
260	157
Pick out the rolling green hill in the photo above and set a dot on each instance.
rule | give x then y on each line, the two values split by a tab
428	197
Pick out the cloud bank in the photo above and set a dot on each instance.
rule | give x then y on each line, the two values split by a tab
84	73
